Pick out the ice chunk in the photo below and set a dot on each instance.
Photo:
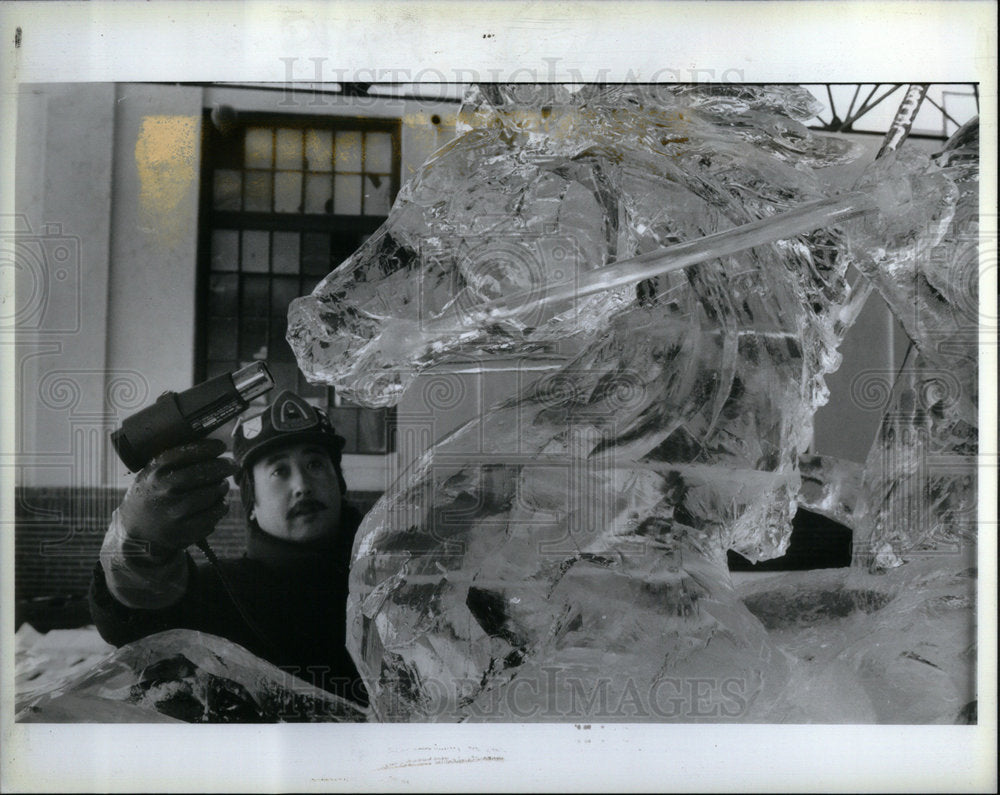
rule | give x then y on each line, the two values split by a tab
897	647
920	490
188	676
580	529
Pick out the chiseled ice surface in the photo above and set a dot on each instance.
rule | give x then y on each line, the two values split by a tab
896	647
920	484
546	186
182	675
562	557
831	487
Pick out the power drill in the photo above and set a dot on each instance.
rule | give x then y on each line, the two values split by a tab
181	417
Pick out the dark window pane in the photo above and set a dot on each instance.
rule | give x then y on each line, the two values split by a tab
319	194
276	333
225	250
257	191
222	295
371	430
288	192
253	339
255	250
279	350
309	284
347	194
285	252
377	189
222	338
283	292
254	301
226	189
345	423
315	254
342	246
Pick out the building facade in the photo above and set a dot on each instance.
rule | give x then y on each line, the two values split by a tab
162	230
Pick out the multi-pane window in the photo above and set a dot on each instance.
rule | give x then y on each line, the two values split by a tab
285	200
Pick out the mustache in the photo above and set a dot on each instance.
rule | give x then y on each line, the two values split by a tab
304	507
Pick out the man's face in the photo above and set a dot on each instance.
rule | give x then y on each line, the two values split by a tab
296	493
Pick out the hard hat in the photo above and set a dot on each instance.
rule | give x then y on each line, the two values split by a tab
288	420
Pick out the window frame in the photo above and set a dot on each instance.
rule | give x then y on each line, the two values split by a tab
214	156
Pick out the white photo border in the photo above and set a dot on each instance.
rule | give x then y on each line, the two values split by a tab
644	41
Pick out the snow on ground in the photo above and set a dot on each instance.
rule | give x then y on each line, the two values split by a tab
43	661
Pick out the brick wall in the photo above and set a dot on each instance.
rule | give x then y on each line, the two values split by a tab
58	534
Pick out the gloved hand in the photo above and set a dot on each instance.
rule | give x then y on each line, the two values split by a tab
178	497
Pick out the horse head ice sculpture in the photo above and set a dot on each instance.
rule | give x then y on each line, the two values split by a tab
564	555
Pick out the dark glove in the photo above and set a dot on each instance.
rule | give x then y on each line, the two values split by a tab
178	497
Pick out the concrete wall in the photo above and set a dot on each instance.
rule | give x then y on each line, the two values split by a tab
63	201
154	249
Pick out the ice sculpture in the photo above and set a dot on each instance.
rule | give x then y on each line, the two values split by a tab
563	556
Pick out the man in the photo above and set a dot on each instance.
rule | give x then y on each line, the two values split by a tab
285	599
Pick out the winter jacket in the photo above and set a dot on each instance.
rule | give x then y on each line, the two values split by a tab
295	593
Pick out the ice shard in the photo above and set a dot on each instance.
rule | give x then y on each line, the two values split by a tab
563	556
